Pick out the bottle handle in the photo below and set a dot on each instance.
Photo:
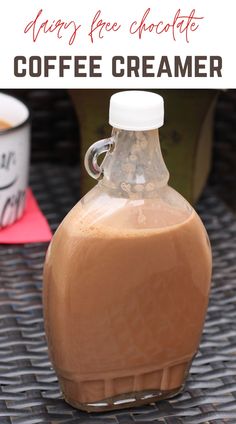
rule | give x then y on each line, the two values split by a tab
91	156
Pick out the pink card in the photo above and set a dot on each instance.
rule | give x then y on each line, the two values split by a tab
31	228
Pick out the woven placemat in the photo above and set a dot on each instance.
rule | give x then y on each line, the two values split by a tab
29	392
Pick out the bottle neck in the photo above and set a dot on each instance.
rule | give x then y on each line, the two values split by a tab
135	168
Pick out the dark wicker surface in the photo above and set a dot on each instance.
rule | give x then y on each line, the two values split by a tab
29	391
223	175
55	129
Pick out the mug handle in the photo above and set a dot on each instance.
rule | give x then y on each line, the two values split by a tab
90	160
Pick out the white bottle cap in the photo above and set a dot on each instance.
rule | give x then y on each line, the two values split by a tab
136	110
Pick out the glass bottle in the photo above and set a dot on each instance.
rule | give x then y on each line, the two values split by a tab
127	274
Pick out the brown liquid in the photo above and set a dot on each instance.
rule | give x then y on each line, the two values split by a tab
124	309
4	125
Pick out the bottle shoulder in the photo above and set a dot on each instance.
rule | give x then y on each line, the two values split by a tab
100	208
100	218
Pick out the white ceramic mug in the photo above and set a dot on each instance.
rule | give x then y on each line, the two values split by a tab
14	159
